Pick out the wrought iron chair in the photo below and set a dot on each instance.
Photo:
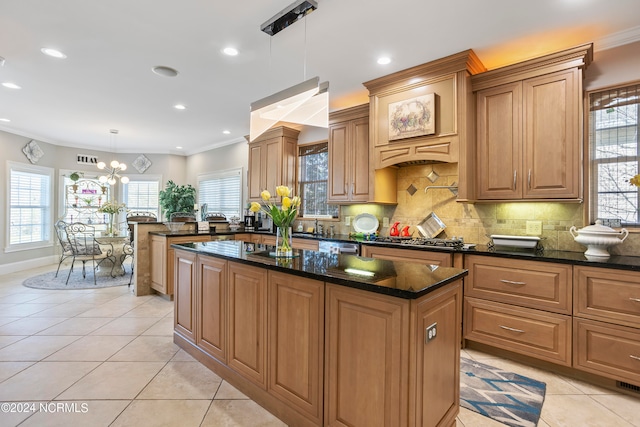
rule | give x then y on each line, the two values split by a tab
182	217
127	250
61	232
84	247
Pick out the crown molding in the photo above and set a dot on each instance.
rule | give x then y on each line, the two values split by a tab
620	38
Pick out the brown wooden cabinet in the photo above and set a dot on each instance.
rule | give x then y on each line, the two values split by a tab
529	128
247	322
349	155
607	323
296	342
273	158
211	306
185	299
162	264
519	305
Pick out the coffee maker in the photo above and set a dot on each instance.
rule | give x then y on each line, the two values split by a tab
249	222
263	222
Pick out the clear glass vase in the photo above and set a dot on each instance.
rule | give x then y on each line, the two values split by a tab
283	242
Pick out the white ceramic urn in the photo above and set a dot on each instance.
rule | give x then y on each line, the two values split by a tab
598	238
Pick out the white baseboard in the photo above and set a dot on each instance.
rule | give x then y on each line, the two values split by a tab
28	264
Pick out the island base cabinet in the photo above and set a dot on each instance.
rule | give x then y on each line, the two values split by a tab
437	362
248	322
366	359
296	342
185	279
211	311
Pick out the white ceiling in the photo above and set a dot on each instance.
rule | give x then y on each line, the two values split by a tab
106	80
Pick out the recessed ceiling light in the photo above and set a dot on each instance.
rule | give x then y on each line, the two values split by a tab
53	52
384	60
2	119
11	85
179	147
179	107
226	132
231	51
161	70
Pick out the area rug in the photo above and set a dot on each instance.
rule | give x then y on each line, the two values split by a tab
504	396
76	281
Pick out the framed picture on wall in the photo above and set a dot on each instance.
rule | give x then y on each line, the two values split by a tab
412	117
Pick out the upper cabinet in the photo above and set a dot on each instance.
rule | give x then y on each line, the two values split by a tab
272	161
529	128
349	155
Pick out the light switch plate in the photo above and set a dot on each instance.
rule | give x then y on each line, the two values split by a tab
347	220
385	221
534	228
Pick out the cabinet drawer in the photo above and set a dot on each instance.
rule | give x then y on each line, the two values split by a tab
609	350
534	333
443	259
608	295
306	244
533	284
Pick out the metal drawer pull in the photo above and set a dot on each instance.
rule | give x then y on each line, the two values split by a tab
511	282
634	357
635	299
512	329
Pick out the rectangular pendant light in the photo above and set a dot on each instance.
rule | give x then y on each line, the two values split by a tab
306	103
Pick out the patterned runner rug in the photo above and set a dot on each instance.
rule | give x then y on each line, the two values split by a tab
504	396
76	281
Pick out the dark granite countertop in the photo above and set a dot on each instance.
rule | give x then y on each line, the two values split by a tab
399	279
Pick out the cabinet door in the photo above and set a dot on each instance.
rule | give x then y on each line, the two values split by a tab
185	280
272	165
296	334
359	160
365	387
158	253
256	173
211	312
247	329
499	142
551	135
338	162
438	359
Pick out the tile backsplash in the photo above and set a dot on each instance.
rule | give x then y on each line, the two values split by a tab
475	222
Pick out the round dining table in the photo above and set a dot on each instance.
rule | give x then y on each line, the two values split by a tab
115	244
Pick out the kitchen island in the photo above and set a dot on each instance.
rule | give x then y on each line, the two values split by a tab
324	339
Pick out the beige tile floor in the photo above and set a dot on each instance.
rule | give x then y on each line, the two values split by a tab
104	357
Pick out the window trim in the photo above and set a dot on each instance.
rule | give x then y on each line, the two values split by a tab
42	170
589	185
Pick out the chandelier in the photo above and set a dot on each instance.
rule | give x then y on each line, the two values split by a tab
114	169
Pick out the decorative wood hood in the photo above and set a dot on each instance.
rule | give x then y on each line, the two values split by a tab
452	138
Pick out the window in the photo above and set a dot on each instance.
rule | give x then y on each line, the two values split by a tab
314	174
613	141
141	194
222	192
30	200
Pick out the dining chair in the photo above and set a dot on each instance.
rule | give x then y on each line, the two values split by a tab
182	217
61	233
84	247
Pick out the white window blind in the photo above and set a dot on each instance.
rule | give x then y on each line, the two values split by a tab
222	192
142	196
30	215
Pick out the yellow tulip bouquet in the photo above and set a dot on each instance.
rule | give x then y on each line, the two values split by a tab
282	216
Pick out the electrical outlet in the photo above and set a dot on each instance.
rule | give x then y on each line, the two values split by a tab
347	220
534	228
430	332
385	221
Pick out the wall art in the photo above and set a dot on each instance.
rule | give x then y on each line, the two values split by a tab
412	117
33	151
141	163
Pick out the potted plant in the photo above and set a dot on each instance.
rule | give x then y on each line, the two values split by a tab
75	176
177	198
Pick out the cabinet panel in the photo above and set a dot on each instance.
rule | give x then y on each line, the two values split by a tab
531	284
443	259
499	142
535	333
338	162
255	172
158	253
365	391
551	137
608	295
360	160
247	353
301	243
185	281
608	350
296	334
211	306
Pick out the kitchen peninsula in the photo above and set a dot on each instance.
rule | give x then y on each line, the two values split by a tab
324	339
